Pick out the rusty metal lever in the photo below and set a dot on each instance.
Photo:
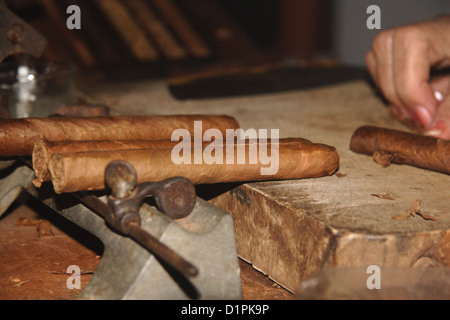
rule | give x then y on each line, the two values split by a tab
174	197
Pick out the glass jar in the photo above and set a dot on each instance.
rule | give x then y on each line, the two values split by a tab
37	88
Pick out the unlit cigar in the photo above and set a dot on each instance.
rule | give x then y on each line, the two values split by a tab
392	146
286	159
18	136
44	150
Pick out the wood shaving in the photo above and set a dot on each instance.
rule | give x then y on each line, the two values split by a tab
413	211
340	175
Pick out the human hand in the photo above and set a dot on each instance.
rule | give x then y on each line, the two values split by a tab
400	61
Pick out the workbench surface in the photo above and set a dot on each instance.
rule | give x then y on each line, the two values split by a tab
291	230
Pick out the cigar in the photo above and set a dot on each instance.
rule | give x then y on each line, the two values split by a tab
392	146
43	151
289	159
18	136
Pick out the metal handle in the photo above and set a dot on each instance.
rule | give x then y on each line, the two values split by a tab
174	197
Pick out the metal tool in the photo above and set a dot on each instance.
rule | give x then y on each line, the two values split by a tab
174	196
18	36
129	270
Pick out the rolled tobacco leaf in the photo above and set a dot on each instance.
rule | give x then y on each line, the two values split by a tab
293	158
393	146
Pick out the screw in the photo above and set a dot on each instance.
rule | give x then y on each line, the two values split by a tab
121	178
15	33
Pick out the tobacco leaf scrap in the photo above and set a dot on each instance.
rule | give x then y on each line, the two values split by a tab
383	158
43	227
383	196
427	216
62	272
414	210
20	283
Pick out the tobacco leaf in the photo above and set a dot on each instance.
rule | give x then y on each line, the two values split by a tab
43	227
23	222
383	158
427	216
340	175
403	216
21	283
414	210
62	272
383	196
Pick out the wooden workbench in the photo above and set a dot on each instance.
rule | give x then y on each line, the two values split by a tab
290	230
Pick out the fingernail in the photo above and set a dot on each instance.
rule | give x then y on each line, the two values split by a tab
439	96
433	133
438	127
424	115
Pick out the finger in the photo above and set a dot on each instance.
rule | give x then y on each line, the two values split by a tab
383	54
411	74
402	113
372	65
399	112
441	88
440	127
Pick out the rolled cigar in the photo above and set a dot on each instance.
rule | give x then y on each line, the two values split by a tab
392	146
18	136
43	150
289	159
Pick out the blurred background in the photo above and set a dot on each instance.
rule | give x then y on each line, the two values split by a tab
121	38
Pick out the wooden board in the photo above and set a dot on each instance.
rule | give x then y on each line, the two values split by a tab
290	230
34	263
